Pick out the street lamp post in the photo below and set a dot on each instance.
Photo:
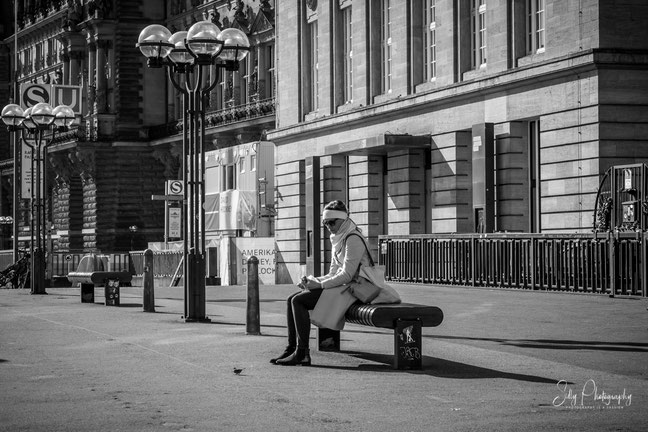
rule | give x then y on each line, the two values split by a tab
133	230
38	126
188	56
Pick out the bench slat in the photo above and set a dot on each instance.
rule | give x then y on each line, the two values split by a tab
385	315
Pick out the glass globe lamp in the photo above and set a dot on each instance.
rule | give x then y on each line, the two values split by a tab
42	114
63	116
180	55
153	42
13	116
235	45
202	40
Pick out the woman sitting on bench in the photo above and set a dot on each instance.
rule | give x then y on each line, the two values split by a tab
347	256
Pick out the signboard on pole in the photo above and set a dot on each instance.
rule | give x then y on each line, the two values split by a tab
26	171
68	95
174	187
31	94
175	224
53	94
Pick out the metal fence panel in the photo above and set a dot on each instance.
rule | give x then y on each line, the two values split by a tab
601	263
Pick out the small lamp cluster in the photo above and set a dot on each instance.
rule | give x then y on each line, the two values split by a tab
201	45
39	117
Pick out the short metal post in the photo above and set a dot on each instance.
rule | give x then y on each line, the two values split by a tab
149	288
252	326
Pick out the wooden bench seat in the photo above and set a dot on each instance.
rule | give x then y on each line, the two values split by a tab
406	319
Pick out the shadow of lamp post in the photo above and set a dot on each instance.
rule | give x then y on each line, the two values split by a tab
193	60
38	126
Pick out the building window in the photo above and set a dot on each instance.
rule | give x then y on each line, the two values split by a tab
535	26
314	65
478	33
253	160
241	163
270	71
386	47
347	52
246	69
535	197
429	40
222	91
229	177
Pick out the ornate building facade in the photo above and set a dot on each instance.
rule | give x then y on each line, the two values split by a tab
460	116
130	139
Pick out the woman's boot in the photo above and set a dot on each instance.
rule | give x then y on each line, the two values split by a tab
289	350
301	357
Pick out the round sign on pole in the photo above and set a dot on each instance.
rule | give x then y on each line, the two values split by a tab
175	187
31	94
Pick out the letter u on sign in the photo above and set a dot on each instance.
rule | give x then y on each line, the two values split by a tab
68	95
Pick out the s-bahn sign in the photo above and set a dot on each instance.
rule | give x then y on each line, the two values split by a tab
53	94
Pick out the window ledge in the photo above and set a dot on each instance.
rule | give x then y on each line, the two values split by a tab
386	97
346	107
531	58
475	73
425	86
311	116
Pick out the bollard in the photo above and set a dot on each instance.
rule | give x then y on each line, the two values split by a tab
252	326
149	295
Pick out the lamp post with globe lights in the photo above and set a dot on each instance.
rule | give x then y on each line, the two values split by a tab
37	127
188	56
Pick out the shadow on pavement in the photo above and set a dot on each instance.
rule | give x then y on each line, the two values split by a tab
556	343
436	367
244	300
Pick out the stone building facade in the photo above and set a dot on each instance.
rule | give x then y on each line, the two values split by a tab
452	116
130	139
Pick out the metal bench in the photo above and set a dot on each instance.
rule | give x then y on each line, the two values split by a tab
108	279
407	321
91	272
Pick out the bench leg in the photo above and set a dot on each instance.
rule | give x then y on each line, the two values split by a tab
87	293
407	344
111	293
328	340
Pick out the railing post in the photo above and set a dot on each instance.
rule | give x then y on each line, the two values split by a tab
642	265
473	259
252	326
149	295
612	258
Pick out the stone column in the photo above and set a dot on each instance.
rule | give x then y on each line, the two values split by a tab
100	77
75	60
66	68
451	187
92	55
406	191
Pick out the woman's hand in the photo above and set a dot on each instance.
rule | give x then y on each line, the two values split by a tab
310	282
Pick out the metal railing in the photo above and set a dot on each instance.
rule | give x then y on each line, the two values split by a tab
221	117
59	264
603	263
165	263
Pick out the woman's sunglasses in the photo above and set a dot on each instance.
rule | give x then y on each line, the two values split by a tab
329	223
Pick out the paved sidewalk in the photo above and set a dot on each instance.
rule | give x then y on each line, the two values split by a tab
494	364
